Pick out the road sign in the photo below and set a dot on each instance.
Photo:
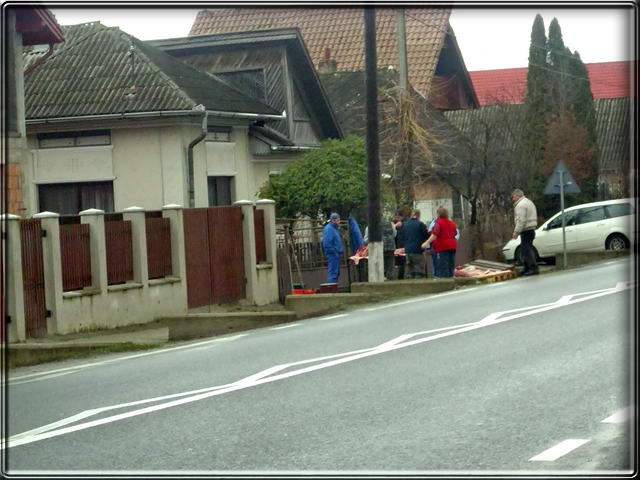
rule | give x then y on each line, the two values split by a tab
561	182
553	184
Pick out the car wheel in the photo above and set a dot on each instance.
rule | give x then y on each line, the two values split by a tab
617	242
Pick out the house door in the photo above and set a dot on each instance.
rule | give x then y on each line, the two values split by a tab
35	310
214	255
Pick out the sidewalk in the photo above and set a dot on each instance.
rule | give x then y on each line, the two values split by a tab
227	320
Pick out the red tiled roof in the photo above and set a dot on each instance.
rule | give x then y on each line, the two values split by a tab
508	85
342	30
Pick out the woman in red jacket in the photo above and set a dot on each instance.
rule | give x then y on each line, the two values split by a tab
443	238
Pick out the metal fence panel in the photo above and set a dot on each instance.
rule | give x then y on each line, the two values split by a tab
33	278
75	255
158	247
226	252
119	251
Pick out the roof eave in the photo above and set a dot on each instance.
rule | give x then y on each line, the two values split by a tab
467	77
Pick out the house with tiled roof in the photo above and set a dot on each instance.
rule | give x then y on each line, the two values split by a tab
612	92
436	67
509	85
107	114
334	36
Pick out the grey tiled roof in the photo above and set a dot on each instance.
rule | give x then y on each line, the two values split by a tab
91	72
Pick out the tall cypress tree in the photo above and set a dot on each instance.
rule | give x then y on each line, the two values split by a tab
536	102
558	89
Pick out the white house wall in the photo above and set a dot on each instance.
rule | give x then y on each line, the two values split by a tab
148	166
137	156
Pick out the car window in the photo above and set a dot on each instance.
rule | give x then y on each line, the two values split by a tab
570	219
619	210
590	214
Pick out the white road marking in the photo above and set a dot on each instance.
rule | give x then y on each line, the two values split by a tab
285	326
559	450
128	357
620	416
331	317
39	379
422	298
492	319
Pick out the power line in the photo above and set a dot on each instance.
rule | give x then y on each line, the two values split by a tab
588	79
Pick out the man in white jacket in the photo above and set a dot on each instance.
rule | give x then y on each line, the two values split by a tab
526	218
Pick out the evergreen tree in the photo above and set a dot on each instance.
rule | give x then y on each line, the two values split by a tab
536	102
558	93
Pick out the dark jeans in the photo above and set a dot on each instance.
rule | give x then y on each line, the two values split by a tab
333	267
401	260
526	249
389	261
415	265
445	261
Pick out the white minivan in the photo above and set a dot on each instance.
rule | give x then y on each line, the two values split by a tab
592	226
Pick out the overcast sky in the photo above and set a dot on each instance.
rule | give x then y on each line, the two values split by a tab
489	38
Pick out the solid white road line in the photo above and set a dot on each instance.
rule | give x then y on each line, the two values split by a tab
559	450
620	416
285	326
331	317
259	379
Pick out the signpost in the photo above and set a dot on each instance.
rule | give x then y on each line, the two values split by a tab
561	182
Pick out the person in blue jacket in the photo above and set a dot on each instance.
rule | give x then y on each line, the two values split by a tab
332	247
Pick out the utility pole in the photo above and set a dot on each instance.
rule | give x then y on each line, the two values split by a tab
376	263
401	39
405	180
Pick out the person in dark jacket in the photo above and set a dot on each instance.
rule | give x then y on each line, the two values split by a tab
401	260
332	247
415	234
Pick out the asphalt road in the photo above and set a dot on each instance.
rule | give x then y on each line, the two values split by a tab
532	374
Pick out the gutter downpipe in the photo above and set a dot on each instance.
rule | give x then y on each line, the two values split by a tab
194	142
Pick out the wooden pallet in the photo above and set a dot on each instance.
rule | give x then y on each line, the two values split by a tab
499	277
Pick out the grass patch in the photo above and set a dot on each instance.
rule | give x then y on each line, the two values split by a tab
23	358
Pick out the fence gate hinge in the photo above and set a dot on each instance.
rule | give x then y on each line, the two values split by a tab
47	313
7	319
4	235
44	233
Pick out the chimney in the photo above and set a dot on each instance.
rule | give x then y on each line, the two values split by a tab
327	64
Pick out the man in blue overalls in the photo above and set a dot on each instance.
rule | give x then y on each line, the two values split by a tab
332	247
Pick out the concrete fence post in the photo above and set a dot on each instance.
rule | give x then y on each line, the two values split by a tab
16	330
98	248
136	215
269	278
52	263
178	256
249	248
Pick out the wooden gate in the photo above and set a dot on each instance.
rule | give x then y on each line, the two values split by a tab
214	255
35	310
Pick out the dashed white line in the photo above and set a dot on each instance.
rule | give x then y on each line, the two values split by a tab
620	416
558	450
285	326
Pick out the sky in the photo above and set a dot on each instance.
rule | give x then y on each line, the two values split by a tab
489	38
